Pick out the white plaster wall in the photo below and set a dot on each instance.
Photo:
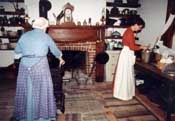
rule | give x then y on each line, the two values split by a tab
32	7
154	14
152	11
83	9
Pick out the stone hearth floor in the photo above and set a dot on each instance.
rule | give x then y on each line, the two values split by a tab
84	103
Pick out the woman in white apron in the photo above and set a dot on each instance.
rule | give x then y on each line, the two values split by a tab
124	82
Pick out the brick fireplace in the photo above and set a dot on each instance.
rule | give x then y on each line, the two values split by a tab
86	39
88	47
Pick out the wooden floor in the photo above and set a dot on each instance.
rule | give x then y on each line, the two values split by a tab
87	103
154	108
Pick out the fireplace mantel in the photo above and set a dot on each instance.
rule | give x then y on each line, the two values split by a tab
71	35
64	34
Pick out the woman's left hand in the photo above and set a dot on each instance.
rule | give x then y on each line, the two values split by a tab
62	62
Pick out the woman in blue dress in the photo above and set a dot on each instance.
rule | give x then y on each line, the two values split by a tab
34	99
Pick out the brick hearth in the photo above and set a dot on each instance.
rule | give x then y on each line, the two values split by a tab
88	47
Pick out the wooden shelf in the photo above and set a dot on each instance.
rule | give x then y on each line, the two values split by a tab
6	49
120	16
122	5
11	13
115	26
9	37
111	37
9	25
20	1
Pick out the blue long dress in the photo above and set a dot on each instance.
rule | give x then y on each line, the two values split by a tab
34	99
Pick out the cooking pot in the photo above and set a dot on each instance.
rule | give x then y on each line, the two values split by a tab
20	32
125	11
146	55
114	11
4	46
102	58
2	9
133	12
1	20
123	21
12	33
110	21
5	20
116	34
13	20
12	45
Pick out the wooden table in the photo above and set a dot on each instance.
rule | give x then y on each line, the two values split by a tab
169	81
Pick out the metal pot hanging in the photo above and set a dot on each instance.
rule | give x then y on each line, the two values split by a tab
102	58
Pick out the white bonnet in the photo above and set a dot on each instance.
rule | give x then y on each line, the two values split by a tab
40	23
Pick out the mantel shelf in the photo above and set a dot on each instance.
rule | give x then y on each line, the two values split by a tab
121	15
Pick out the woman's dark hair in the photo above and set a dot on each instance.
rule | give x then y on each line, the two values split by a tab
136	20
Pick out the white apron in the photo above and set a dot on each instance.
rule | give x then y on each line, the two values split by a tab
124	81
